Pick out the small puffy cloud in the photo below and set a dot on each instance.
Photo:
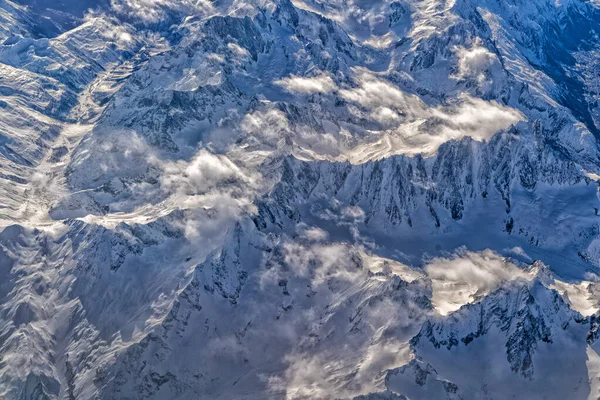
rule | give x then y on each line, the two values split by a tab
268	129
317	84
474	61
323	262
221	191
210	216
474	117
330	209
311	233
582	297
354	213
305	378
518	251
385	116
267	126
462	279
205	172
373	93
238	50
477	65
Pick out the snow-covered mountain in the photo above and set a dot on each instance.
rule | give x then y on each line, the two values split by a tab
307	199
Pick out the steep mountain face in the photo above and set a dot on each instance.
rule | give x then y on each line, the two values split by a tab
299	199
512	337
311	313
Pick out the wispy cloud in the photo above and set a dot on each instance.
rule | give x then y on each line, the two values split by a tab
152	11
418	127
308	85
474	61
408	123
463	278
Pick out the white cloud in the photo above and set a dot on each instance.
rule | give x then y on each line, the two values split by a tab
378	321
317	84
474	117
312	233
150	11
238	50
467	276
385	116
400	122
266	125
582	296
205	172
518	251
268	130
413	127
322	262
473	62
210	216
374	93
210	188
211	183
331	209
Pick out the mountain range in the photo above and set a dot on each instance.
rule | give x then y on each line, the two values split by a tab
299	199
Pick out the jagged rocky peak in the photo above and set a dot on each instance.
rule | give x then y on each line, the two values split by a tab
524	333
428	191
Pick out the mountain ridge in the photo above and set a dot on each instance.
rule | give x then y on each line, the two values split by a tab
298	199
